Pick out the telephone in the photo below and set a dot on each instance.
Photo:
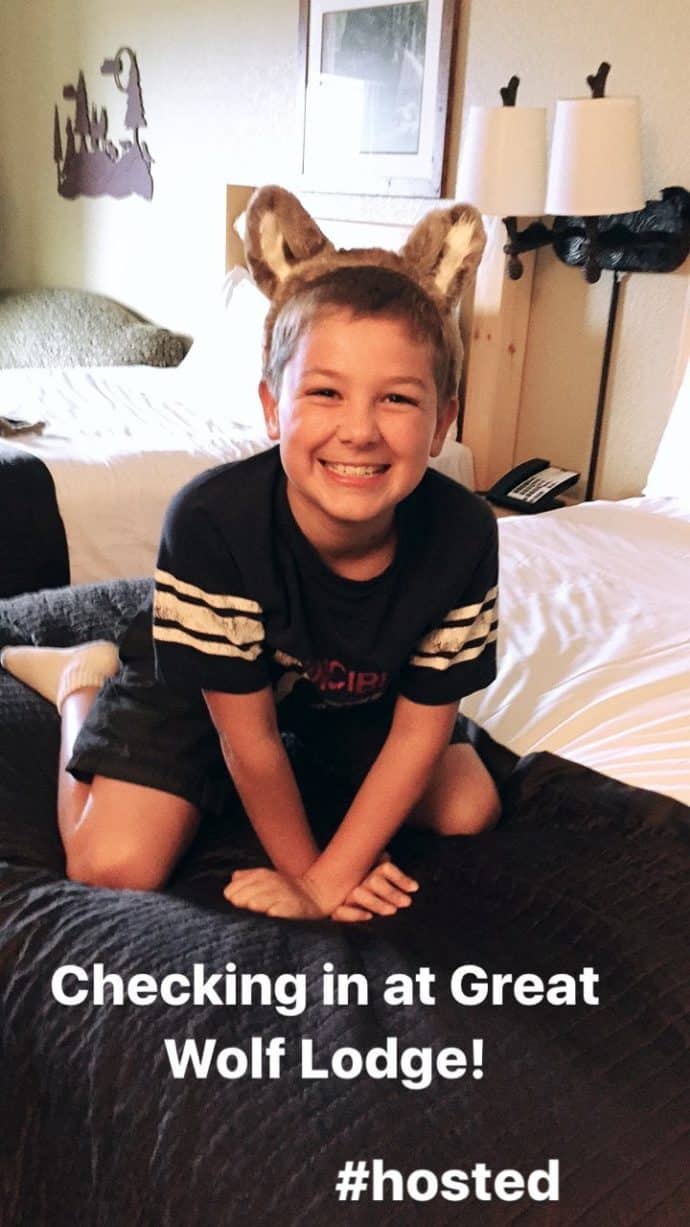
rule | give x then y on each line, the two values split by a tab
532	486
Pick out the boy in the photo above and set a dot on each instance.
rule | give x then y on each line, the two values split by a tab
332	587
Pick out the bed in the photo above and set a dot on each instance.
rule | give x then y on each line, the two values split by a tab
118	441
586	879
596	658
584	872
118	444
83	498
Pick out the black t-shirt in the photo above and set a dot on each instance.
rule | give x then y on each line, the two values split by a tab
243	600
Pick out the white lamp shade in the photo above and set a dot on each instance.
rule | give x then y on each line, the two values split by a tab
596	158
503	161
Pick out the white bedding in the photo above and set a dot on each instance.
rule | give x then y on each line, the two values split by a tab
120	441
594	648
595	599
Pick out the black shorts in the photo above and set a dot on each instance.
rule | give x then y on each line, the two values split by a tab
141	731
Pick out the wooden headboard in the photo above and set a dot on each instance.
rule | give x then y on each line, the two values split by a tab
494	321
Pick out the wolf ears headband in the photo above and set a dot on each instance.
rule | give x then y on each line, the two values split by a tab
286	249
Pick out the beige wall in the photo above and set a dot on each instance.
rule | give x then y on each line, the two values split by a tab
218	82
552	45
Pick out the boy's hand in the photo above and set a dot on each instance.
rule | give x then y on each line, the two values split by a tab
266	890
384	890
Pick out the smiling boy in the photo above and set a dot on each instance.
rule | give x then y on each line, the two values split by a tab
333	587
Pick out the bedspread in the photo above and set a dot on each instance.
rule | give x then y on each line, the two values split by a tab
582	872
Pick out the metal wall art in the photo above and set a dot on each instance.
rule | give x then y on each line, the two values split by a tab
90	163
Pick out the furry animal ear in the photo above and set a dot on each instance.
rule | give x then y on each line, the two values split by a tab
444	248
280	235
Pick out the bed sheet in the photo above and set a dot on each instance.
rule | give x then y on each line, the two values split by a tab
594	645
119	441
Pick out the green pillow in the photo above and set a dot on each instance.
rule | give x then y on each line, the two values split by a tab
53	327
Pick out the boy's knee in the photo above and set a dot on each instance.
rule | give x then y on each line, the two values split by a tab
120	871
472	814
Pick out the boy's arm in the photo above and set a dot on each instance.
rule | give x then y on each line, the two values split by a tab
455	657
262	774
397	780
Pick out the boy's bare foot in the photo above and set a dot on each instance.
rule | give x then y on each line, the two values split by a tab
56	673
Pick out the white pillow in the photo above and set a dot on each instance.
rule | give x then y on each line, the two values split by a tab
223	366
668	476
455	461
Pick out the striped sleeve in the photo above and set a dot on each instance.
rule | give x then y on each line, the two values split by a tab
208	633
458	655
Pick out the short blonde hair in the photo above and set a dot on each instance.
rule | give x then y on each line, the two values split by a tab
363	291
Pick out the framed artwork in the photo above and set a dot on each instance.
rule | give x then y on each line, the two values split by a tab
373	100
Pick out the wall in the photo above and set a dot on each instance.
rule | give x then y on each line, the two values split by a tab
552	45
218	87
218	81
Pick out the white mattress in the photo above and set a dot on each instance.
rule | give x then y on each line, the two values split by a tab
594	647
120	441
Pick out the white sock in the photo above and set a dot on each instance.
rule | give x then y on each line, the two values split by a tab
57	672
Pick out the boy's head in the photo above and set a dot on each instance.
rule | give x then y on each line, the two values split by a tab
361	356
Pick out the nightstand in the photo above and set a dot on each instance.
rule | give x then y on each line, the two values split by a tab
500	512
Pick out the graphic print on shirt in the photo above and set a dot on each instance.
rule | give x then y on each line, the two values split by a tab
337	684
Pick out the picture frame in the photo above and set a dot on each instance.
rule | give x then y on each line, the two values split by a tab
373	95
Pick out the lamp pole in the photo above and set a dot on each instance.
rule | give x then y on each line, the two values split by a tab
603	383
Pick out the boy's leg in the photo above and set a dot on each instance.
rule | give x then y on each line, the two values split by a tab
117	834
461	799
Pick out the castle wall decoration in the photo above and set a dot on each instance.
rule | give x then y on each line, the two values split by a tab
90	163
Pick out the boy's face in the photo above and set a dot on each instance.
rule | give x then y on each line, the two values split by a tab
357	418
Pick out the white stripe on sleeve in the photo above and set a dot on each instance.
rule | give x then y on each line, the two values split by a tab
463	635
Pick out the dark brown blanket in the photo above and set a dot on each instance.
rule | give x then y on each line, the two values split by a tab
582	873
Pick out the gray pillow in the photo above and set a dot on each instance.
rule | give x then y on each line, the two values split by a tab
76	328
